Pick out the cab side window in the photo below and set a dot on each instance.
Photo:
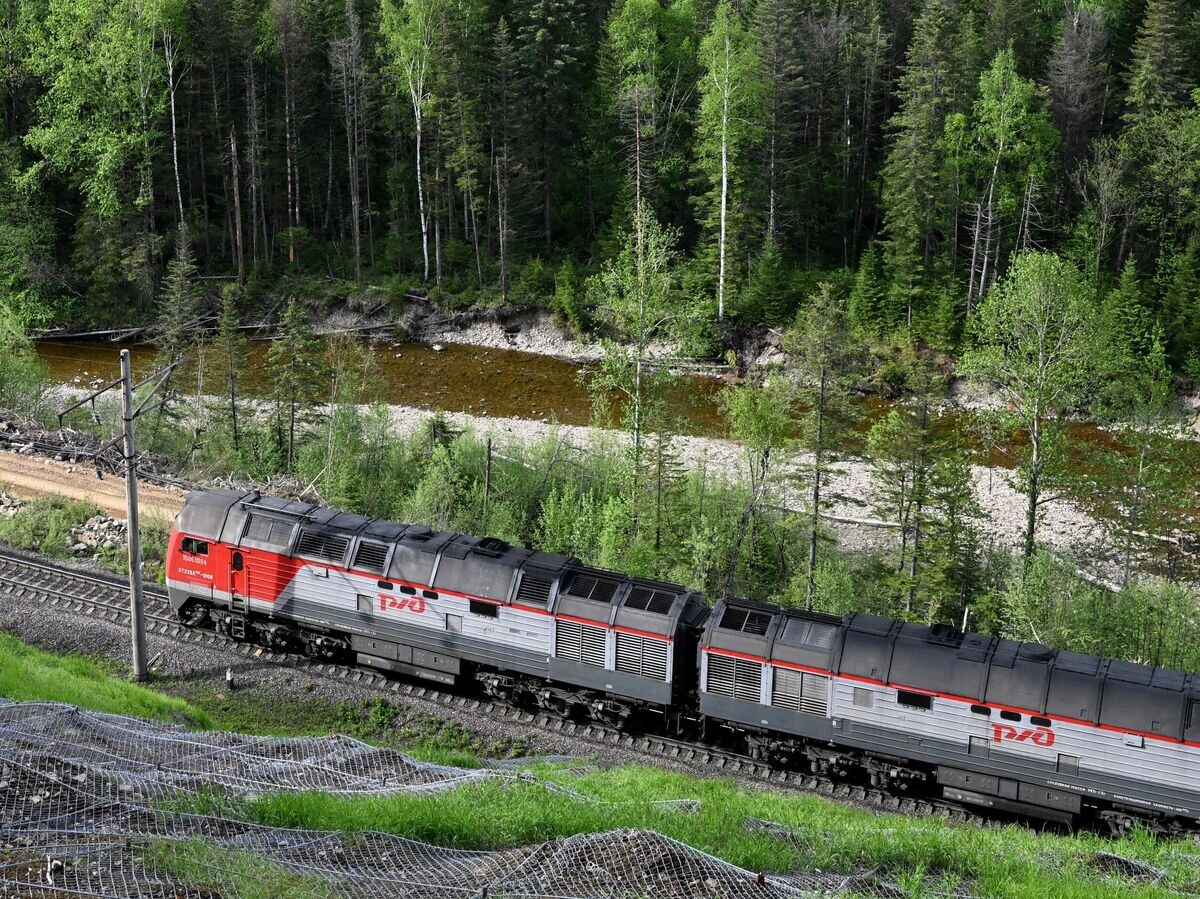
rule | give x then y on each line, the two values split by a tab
194	546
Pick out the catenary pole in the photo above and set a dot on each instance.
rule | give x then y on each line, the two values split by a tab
137	616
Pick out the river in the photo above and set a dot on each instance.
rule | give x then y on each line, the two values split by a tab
478	380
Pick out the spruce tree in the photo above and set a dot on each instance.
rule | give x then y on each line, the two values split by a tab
916	197
295	364
1159	68
230	348
769	299
869	308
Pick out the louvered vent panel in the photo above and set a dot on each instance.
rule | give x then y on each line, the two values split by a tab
735	678
642	656
597	589
644	599
801	692
322	546
268	530
814	694
370	557
593	645
568	640
579	643
534	590
746	621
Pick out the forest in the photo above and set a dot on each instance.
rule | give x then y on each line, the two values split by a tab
487	151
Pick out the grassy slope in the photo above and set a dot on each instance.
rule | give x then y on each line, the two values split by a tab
919	852
30	674
1008	862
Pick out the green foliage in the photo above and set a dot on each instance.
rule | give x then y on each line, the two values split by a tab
296	368
568	304
1039	345
995	862
770	297
44	525
533	283
1047	602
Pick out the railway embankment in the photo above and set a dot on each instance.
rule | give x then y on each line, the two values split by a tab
551	828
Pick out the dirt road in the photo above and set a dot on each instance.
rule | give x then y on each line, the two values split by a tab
32	476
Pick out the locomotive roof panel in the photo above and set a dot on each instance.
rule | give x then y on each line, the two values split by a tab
808	638
204	512
384	531
591	593
742	625
656	606
929	659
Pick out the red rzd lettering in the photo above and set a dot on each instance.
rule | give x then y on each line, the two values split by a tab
1039	736
401	604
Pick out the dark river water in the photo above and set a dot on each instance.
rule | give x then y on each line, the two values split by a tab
498	383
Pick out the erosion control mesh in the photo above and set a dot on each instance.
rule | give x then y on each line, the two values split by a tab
84	811
88	808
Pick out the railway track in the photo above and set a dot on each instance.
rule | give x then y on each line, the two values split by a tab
106	598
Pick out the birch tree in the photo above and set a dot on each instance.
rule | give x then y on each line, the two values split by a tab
175	73
504	112
410	32
731	93
760	420
350	78
1038	347
1013	145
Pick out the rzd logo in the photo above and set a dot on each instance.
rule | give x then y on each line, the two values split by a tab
1039	736
401	604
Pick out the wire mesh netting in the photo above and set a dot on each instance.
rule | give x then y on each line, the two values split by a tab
90	806
85	810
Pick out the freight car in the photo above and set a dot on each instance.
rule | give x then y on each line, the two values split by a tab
1012	727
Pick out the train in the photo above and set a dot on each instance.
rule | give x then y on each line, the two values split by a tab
1013	728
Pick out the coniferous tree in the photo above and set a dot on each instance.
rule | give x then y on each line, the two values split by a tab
869	307
1079	87
295	365
178	303
1158	71
769	297
916	197
548	37
229	348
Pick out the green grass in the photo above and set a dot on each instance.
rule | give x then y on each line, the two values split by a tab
43	525
241	874
32	675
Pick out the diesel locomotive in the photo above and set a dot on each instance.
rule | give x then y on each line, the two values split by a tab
1013	727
